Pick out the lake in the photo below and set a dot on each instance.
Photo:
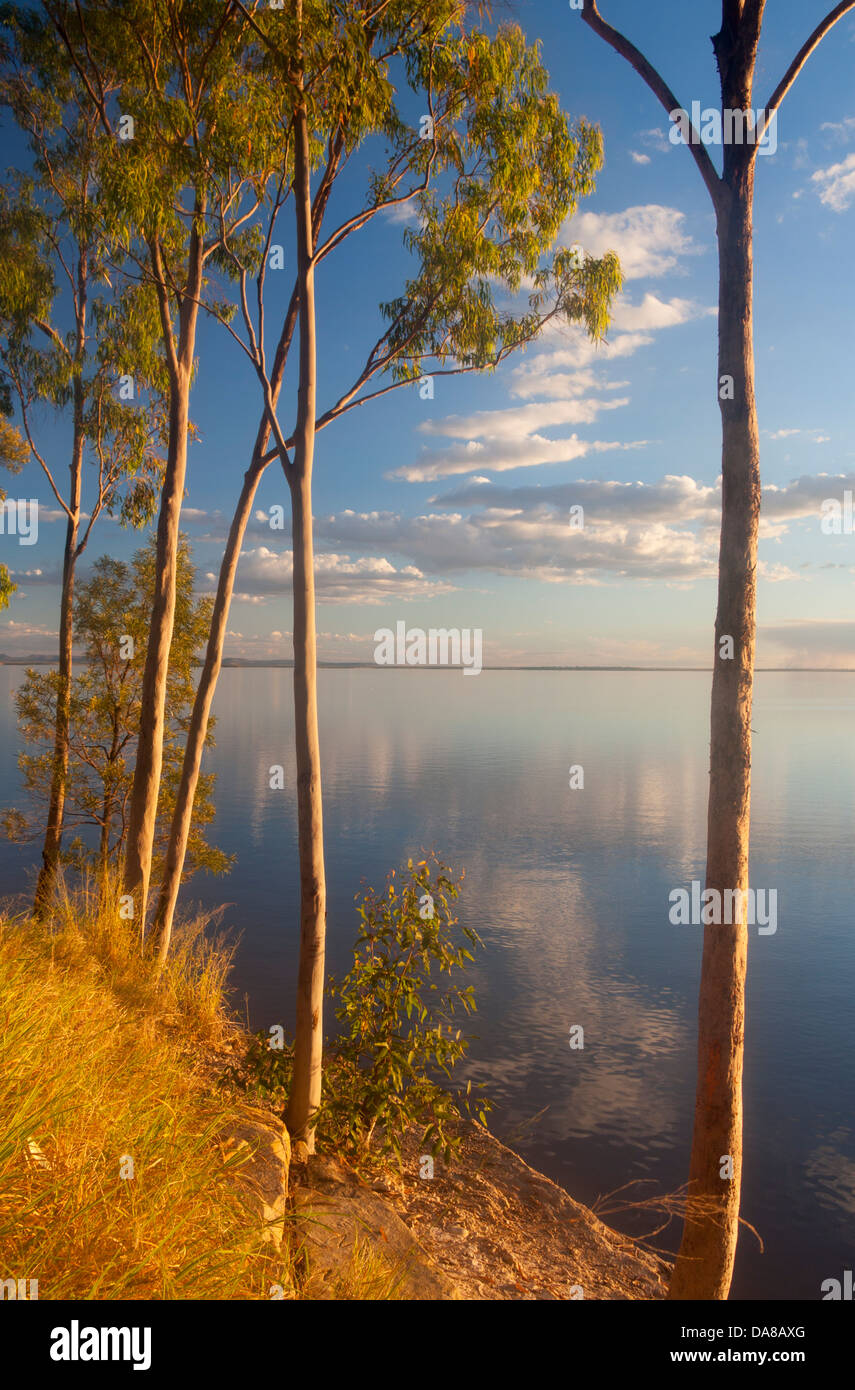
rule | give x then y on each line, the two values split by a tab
570	891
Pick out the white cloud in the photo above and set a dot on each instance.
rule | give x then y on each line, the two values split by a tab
818	436
501	440
649	240
841	130
638	158
655	313
402	214
800	157
338	578
522	420
656	139
576	351
26	639
836	184
535	542
536	378
667	530
500	455
671	498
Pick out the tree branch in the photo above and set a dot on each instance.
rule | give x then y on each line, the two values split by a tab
801	58
51	333
163	306
660	89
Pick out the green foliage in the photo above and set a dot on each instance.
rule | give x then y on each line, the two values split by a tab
508	167
7	588
209	128
397	1014
396	1009
14	452
69	323
490	184
112	615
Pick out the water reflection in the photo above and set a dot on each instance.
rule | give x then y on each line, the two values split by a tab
569	890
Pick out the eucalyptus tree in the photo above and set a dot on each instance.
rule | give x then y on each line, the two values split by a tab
492	168
168	84
704	1266
65	335
112	608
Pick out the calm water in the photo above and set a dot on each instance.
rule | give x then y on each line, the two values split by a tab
569	890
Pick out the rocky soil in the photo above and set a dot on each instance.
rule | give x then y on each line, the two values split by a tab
489	1227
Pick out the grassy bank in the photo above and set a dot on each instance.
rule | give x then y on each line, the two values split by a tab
121	1095
113	1181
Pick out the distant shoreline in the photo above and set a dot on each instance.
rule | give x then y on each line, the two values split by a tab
239	663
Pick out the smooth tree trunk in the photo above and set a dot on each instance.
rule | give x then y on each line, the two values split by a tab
52	846
149	760
305	1093
704	1266
59	771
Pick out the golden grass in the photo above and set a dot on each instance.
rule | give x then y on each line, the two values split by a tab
105	1071
367	1276
94	1086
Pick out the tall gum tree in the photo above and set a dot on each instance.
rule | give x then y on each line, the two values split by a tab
492	176
65	332
704	1266
182	123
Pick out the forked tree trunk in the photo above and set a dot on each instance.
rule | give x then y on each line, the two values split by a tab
183	814
306	1081
144	796
182	818
704	1266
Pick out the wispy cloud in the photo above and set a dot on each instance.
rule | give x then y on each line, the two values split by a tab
338	578
842	131
836	184
664	530
649	240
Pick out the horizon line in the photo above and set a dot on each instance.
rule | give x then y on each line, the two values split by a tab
286	663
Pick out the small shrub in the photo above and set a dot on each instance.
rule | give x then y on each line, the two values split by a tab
396	1007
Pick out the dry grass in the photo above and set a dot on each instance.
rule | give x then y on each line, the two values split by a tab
94	1086
102	1061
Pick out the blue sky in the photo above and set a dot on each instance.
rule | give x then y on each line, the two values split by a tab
453	512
